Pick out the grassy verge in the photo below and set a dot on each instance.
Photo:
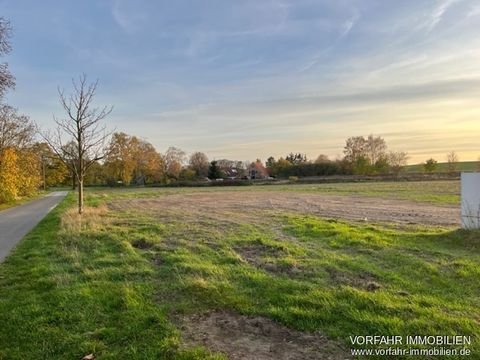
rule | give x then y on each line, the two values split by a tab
110	283
71	289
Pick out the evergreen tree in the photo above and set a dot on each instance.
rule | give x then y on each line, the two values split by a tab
214	171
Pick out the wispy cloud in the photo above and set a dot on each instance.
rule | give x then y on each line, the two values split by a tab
127	16
438	12
349	24
344	29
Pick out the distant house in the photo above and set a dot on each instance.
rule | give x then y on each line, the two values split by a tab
256	170
230	173
231	169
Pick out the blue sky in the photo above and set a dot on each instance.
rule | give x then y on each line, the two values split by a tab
247	79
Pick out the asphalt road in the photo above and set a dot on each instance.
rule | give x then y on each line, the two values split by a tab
16	222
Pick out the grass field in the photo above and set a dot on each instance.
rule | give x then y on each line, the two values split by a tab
156	273
438	192
443	167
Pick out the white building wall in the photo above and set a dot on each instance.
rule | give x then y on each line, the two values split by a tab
470	200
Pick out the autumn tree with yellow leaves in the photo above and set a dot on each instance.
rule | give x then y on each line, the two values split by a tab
132	160
19	163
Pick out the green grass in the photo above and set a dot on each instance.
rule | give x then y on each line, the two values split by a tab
319	281
437	192
443	167
65	294
110	284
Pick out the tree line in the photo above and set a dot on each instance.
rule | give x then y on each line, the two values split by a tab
362	156
130	160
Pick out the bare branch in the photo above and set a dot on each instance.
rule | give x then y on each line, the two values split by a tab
80	138
6	78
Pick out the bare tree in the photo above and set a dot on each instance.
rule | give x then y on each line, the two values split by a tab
375	148
69	148
397	160
199	163
354	148
16	130
452	160
174	159
6	78
82	125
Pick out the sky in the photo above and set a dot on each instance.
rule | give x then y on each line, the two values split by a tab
247	79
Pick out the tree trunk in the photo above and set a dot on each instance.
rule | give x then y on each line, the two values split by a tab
80	197
80	171
74	184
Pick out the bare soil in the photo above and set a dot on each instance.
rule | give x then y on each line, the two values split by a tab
259	256
363	281
240	206
253	254
242	337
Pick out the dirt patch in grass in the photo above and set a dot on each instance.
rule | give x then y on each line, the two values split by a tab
363	280
243	206
142	244
257	255
254	254
256	338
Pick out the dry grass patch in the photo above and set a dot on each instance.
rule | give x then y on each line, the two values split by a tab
236	207
269	258
92	219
